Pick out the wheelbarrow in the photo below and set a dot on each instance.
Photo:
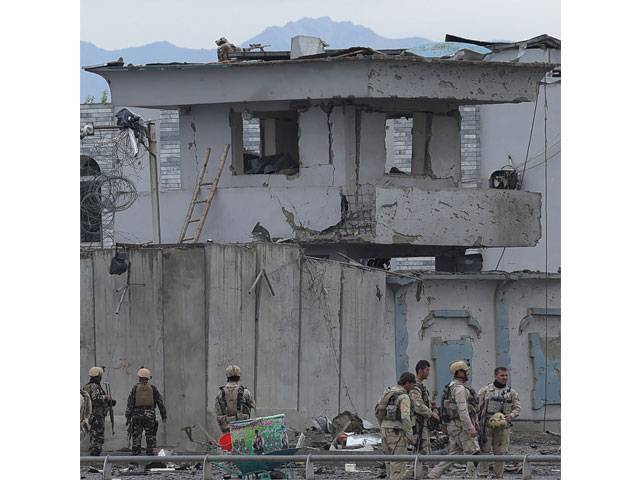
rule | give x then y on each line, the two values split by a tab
261	469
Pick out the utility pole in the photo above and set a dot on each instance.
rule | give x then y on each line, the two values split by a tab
153	173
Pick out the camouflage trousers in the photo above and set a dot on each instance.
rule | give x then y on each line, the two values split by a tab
394	442
146	422
460	442
96	434
496	442
425	442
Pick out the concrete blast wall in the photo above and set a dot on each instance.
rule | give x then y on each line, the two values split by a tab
329	339
314	346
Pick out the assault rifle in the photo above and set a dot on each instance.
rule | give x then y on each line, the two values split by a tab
483	422
129	431
419	430
108	389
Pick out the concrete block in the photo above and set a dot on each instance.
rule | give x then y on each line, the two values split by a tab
231	271
183	304
134	337
87	338
320	338
362	312
278	328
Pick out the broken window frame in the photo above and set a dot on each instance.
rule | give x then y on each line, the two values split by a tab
420	138
273	137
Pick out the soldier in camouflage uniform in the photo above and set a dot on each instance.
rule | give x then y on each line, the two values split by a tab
422	406
234	401
499	405
99	409
460	405
141	412
394	411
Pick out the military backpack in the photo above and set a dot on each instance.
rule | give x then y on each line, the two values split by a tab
450	407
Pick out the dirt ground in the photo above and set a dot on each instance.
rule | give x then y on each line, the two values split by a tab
521	443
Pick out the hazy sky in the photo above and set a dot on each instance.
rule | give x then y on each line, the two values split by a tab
115	24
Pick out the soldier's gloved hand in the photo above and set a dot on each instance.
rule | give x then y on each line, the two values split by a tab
472	432
413	440
508	418
435	415
113	403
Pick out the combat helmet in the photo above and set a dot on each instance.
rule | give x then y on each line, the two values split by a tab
95	372
144	373
232	371
497	420
459	365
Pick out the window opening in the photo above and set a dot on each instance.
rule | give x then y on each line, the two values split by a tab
398	142
267	143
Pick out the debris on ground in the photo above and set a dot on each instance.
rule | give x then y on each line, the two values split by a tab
364	439
347	422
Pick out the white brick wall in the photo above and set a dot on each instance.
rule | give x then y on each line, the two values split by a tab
99	145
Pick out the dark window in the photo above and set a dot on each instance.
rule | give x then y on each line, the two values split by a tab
265	143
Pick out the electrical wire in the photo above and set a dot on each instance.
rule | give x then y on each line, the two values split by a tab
546	264
526	158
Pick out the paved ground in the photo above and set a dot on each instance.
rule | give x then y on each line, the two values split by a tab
529	443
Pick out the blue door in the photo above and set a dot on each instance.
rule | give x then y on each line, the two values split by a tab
443	353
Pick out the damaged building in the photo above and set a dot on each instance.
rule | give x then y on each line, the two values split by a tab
312	160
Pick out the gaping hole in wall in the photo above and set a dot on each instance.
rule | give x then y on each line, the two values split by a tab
407	137
268	143
398	142
90	208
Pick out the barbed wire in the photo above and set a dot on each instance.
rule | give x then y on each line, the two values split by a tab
111	191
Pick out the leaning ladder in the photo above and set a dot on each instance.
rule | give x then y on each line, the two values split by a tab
213	187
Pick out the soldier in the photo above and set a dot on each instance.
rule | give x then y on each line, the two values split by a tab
499	405
234	401
99	407
460	414
422	408
85	413
141	412
394	411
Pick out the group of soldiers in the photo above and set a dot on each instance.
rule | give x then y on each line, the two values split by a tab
475	423
233	402
140	413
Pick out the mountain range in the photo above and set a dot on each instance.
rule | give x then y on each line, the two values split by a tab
336	34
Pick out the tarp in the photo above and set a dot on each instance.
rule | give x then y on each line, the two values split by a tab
257	436
446	49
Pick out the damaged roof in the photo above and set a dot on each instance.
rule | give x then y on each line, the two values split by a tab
541	41
418	54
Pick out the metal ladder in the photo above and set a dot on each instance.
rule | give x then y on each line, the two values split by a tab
213	187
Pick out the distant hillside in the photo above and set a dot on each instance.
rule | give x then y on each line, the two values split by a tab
92	84
336	34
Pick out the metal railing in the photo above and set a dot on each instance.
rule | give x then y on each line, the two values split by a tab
309	460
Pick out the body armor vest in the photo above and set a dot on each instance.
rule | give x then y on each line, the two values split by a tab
98	407
424	392
233	403
144	396
388	408
451	407
500	402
